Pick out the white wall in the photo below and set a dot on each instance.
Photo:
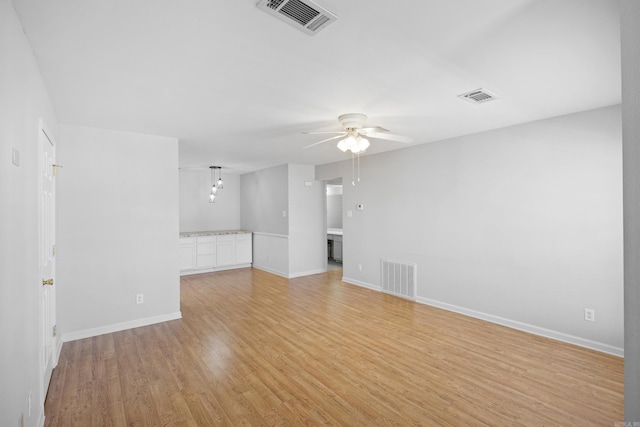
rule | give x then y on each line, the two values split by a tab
307	229
264	207
196	213
117	230
287	219
264	202
23	101
521	225
630	34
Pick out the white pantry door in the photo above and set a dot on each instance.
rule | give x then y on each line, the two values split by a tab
47	249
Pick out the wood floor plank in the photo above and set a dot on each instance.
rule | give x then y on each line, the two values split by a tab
257	349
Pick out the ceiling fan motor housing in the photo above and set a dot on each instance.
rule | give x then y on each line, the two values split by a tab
352	120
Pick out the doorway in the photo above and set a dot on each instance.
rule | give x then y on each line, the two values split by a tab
334	224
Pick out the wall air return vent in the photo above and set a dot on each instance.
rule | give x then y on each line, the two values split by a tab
399	278
478	96
306	15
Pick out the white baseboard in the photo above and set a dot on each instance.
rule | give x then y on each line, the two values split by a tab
361	284
56	358
116	327
271	270
287	275
307	273
214	269
513	324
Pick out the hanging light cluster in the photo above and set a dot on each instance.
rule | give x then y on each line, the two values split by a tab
357	145
353	142
215	185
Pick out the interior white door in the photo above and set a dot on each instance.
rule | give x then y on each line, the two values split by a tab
47	249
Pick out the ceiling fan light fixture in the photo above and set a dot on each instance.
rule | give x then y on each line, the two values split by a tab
363	143
356	144
342	145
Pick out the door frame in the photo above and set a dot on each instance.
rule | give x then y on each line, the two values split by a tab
46	136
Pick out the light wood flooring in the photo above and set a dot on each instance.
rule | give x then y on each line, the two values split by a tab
255	349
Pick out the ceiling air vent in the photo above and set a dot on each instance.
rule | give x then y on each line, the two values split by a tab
478	96
307	15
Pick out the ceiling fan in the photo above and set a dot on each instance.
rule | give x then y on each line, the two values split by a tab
354	136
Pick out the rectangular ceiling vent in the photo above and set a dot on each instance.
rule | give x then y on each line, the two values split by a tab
306	15
478	96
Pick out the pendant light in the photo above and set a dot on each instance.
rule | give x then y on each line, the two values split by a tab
219	183
214	189
216	186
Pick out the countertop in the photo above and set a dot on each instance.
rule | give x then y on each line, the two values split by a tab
212	233
334	231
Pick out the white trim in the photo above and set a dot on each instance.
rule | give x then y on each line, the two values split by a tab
362	284
272	271
58	351
307	273
116	327
535	330
290	276
513	324
213	269
284	236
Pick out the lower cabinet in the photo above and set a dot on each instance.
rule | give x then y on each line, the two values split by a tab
225	250
199	254
205	251
187	253
244	253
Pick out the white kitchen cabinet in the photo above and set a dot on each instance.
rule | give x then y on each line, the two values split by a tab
202	252
244	252
187	253
205	251
225	250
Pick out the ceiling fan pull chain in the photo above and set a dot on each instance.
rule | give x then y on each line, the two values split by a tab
358	166
353	169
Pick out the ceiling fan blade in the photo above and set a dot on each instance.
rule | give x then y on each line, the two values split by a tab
324	140
390	137
328	132
373	129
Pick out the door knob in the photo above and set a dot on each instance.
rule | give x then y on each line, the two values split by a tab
47	282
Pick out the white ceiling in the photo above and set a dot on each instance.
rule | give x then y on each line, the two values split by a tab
238	86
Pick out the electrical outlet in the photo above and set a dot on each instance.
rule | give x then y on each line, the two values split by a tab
139	298
589	314
359	267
